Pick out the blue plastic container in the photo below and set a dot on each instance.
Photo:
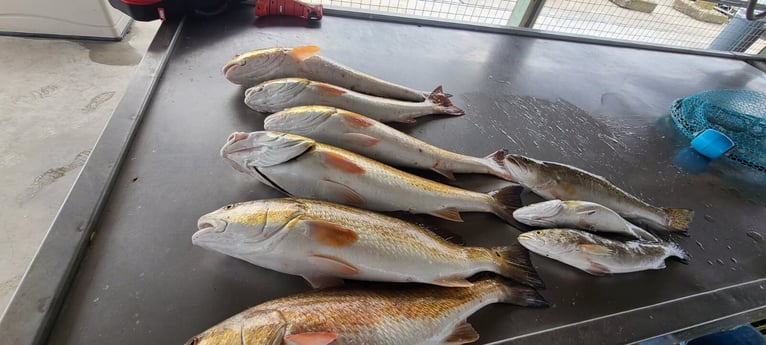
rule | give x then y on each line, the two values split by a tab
712	143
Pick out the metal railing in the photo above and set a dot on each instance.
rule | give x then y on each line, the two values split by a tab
679	23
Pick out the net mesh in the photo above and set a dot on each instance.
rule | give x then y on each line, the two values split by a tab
740	114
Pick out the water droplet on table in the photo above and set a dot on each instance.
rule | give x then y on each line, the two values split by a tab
734	260
700	245
719	261
709	218
755	236
709	262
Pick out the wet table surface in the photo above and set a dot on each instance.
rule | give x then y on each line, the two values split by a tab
603	109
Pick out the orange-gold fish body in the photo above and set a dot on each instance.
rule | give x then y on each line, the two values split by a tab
391	315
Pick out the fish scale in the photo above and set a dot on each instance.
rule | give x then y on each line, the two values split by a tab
383	315
323	242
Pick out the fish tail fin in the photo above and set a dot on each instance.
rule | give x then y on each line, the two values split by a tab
679	253
497	167
507	200
521	295
513	262
679	219
441	100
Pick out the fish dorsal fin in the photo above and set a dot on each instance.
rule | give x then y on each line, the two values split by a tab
449	213
360	139
311	338
596	249
303	52
329	263
330	234
321	282
338	191
446	173
339	162
463	333
453	282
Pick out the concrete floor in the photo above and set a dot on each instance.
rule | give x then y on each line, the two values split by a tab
56	96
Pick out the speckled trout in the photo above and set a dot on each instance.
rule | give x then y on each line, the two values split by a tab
301	167
598	255
580	215
279	94
257	66
560	181
324	242
379	314
365	136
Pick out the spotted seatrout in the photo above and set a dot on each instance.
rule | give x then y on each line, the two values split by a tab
560	181
375	140
380	315
279	94
598	255
301	167
257	66
580	215
324	242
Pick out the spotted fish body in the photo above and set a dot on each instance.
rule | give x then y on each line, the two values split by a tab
324	242
381	315
560	181
301	167
279	94
598	255
370	138
257	66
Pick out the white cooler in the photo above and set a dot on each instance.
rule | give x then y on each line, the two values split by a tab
89	19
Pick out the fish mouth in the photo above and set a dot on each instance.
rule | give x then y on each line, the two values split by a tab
206	227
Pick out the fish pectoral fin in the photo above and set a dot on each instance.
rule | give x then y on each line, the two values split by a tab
586	211
303	52
330	234
446	173
360	139
597	269
463	333
311	338
338	162
595	249
452	282
341	192
449	213
330	263
321	282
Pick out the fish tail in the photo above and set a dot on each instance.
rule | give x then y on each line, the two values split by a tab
497	167
505	201
524	296
440	99
679	253
513	262
679	219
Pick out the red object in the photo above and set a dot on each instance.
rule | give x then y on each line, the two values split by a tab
288	8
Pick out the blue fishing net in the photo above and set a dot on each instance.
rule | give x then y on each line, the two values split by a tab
740	114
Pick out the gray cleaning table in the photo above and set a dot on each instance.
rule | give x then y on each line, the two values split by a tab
118	266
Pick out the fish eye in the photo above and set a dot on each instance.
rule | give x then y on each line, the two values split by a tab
194	341
228	207
539	232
